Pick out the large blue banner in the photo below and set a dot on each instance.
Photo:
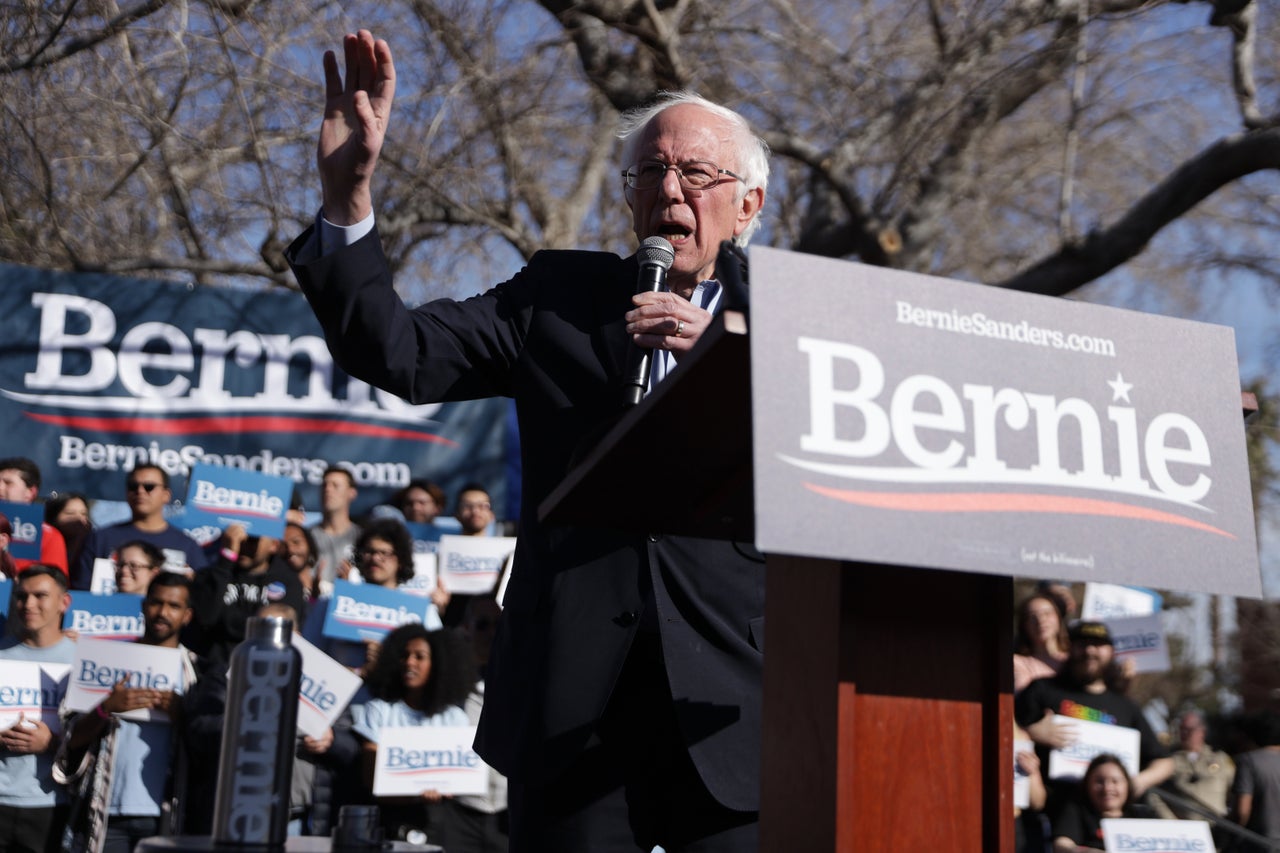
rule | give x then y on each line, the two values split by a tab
99	373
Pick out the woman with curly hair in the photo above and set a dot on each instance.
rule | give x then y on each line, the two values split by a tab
384	557
420	678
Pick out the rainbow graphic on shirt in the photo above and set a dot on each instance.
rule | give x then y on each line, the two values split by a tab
1076	711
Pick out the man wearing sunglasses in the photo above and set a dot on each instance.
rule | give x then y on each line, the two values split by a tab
624	690
147	493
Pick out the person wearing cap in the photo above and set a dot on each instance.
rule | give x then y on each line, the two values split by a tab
1081	692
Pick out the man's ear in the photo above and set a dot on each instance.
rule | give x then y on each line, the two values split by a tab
748	208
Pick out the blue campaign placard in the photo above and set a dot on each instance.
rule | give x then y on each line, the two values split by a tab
6	590
26	521
367	612
426	537
220	497
105	617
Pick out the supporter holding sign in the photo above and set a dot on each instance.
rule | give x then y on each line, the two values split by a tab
32	807
420	678
349	625
1081	693
250	573
1105	792
40	542
123	755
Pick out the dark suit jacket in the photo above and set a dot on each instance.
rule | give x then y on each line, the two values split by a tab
553	338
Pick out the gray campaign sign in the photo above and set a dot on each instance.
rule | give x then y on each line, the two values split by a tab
912	420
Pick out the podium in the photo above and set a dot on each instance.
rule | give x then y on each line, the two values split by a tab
888	707
914	444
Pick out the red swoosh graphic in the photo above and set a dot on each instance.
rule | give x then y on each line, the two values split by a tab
1009	502
234	423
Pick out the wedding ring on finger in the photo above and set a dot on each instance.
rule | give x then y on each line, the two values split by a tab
679	328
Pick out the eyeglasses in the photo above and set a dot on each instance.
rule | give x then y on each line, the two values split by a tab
134	568
134	485
378	552
482	506
694	175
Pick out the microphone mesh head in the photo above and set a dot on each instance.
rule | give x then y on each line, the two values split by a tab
657	251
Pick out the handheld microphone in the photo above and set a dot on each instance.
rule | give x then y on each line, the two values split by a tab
656	256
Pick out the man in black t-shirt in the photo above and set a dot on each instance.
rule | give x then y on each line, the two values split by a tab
1081	692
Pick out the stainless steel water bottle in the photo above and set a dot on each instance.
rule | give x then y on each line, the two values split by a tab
251	809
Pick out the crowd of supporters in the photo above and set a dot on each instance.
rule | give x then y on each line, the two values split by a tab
100	781
1066	670
103	782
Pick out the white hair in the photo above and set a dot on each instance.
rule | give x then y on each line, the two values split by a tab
753	152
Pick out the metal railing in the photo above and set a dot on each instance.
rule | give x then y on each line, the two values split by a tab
1229	836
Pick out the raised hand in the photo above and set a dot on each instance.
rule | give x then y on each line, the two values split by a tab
356	114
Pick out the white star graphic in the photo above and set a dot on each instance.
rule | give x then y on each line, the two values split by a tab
1119	388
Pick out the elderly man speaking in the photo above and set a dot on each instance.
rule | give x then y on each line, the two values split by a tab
623	696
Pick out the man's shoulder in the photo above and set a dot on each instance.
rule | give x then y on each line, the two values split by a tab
576	262
1049	684
113	534
575	256
63	651
351	534
170	536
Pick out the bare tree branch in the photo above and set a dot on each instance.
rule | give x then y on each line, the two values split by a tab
1241	19
47	53
1103	250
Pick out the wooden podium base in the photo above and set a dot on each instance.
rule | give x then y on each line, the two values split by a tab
888	709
